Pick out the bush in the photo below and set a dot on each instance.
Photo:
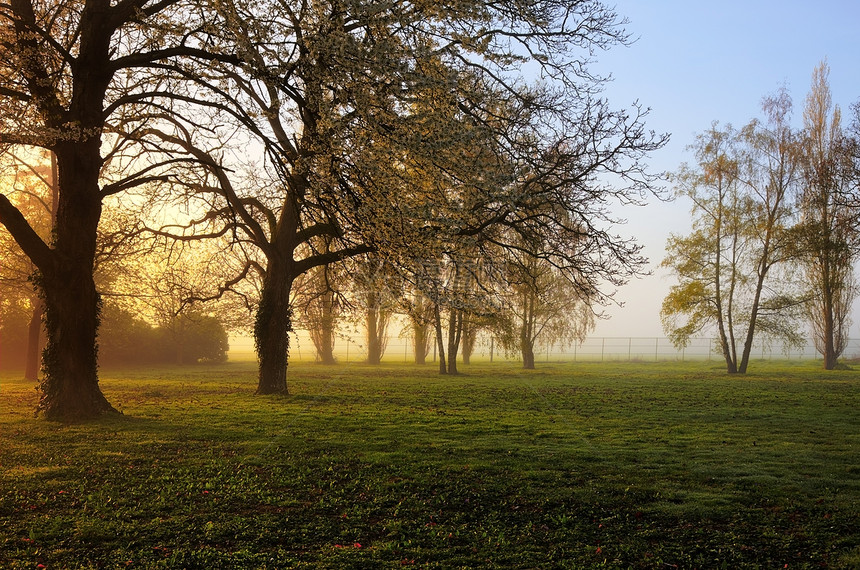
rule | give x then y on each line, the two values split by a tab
125	338
189	338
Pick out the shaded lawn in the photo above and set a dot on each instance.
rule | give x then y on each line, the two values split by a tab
639	465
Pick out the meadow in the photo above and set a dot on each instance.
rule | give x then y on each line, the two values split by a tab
585	465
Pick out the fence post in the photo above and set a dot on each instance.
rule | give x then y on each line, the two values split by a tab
657	349
602	347
629	348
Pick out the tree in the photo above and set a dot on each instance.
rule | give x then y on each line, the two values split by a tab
72	75
374	295
419	315
740	189
471	327
318	308
831	237
440	286
127	339
707	260
771	177
188	331
355	102
460	300
449	287
464	300
202	336
542	304
305	97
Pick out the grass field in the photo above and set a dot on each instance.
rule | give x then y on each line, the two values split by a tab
622	465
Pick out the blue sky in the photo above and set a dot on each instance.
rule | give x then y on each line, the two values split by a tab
696	62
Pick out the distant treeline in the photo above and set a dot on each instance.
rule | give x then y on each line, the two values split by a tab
127	339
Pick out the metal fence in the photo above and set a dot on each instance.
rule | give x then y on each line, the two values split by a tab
594	349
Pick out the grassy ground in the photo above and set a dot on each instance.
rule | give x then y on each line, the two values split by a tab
639	465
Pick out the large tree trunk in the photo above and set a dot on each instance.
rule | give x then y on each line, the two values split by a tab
272	329
470	336
731	363
822	311
726	344
322	327
70	389
325	352
421	318
373	352
527	344
828	322
325	338
748	341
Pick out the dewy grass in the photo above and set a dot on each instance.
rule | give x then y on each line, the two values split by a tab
626	465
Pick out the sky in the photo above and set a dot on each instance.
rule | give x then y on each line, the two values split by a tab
693	63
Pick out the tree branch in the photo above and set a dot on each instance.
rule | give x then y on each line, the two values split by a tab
330	257
25	236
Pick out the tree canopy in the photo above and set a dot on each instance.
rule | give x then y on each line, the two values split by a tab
770	202
315	132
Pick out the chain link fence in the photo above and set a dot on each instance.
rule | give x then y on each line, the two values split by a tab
593	349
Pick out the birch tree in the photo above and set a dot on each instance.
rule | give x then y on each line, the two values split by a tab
733	267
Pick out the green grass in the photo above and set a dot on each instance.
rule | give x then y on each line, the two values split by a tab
622	465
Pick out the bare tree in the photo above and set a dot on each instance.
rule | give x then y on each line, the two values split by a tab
771	176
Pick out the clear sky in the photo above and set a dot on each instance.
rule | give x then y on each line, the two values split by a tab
696	62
